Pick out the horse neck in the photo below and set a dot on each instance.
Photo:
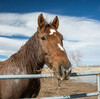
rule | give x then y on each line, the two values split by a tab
30	56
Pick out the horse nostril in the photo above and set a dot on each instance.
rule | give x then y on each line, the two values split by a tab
45	53
60	70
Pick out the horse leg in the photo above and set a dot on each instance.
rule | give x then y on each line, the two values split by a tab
33	89
36	88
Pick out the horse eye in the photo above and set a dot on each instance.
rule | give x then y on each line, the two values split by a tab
43	38
62	41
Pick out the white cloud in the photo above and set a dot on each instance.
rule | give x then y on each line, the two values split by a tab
10	46
85	31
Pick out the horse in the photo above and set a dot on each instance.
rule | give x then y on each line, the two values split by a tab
44	47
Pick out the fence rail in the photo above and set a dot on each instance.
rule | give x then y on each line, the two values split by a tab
34	76
72	96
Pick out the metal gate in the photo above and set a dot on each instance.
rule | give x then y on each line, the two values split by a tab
32	76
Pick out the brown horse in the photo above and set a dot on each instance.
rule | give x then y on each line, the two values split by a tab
44	47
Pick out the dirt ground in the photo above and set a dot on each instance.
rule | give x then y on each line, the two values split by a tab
49	86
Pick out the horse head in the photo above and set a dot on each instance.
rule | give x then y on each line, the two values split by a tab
51	42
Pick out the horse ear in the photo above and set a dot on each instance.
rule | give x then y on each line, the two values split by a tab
41	21
55	22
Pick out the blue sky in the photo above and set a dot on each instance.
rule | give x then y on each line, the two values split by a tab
79	23
81	8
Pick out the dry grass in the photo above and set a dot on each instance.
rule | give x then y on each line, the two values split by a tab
49	86
46	70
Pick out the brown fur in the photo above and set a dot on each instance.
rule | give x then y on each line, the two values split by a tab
25	61
30	59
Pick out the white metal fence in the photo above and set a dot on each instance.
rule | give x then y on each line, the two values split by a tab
32	76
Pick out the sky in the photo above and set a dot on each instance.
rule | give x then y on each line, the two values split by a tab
79	24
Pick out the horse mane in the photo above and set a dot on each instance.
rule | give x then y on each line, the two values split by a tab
28	56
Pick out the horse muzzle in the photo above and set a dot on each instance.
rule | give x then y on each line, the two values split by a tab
63	73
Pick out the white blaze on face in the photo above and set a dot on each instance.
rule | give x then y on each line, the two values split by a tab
52	31
60	47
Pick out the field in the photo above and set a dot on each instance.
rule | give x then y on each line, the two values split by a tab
49	86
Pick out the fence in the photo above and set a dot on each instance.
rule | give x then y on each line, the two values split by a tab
32	76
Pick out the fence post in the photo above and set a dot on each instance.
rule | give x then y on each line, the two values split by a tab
98	85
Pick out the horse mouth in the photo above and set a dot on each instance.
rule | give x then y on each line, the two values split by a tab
63	74
61	77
